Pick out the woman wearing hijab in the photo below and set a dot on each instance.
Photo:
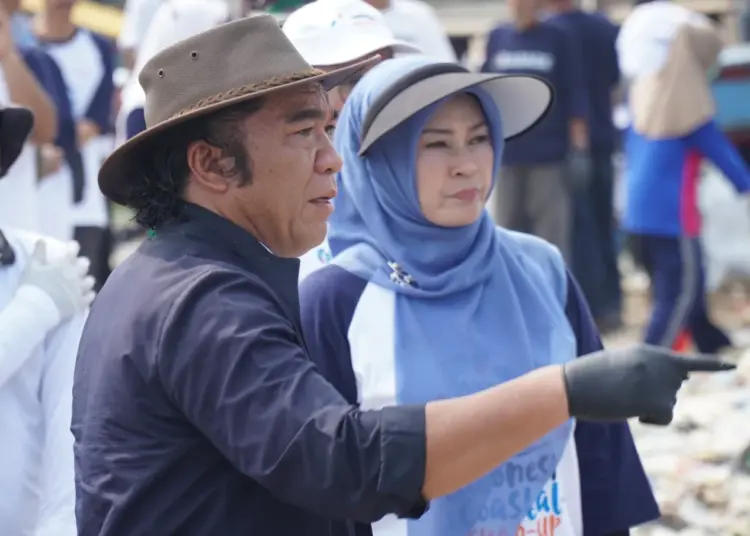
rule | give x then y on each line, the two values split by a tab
423	288
174	21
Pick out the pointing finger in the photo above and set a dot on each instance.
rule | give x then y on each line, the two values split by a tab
662	419
705	364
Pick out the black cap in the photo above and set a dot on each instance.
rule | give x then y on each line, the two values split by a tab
15	127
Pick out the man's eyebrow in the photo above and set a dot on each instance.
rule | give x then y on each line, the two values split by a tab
450	131
307	114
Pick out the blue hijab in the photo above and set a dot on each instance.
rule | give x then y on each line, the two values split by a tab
484	305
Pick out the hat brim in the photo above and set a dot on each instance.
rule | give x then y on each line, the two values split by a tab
123	166
332	56
523	100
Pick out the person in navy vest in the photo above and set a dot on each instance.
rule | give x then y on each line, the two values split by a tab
196	407
426	299
542	170
84	64
594	251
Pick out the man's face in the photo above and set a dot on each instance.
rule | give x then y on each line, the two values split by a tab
524	10
288	201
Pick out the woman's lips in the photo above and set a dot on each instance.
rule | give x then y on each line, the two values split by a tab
469	194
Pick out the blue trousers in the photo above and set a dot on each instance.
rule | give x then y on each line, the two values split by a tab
593	239
675	266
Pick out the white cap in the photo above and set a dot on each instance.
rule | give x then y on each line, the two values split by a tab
334	32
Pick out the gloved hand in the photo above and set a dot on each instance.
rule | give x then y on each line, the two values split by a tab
64	280
614	385
578	169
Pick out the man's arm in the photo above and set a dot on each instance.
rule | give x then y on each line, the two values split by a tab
26	91
574	91
232	363
57	512
24	323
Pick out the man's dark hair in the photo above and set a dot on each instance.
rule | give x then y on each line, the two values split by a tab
157	195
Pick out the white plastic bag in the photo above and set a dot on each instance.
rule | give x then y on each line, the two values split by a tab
726	228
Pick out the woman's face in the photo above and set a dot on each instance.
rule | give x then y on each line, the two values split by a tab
454	163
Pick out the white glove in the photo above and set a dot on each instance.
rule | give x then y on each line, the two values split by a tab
64	280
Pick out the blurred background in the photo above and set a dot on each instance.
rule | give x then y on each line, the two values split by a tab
700	466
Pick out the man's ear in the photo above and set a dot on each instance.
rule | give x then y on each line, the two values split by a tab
209	167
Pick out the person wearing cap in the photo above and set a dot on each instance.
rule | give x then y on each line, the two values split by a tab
417	22
417	260
44	294
196	406
331	34
335	33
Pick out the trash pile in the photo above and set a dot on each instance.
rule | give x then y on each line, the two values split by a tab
700	466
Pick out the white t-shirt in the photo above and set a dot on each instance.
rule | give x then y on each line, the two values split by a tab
416	22
136	18
19	205
36	384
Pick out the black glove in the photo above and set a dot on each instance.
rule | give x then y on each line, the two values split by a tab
578	169
615	385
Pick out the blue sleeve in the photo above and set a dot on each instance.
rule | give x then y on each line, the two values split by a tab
572	89
135	123
306	444
328	298
716	147
100	109
615	492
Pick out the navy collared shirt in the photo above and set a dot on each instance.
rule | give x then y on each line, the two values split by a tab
197	411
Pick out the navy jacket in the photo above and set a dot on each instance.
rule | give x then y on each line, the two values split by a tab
197	411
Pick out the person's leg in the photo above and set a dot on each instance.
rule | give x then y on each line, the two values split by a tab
602	203
674	268
708	337
510	208
549	206
586	262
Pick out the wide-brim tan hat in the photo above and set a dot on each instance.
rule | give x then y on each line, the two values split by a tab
226	65
522	100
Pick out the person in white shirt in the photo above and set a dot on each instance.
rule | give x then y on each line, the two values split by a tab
416	22
331	34
44	296
136	18
21	70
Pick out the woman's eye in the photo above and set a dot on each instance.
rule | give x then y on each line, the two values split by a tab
484	138
306	132
330	129
435	145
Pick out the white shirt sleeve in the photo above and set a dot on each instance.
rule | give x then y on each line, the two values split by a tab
57	512
24	323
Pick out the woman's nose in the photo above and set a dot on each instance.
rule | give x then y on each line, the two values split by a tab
464	164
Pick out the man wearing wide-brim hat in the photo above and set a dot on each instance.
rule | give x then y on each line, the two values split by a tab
196	409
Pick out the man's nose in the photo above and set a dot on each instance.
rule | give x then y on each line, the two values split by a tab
328	160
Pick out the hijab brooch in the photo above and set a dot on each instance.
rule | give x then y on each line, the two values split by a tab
399	276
